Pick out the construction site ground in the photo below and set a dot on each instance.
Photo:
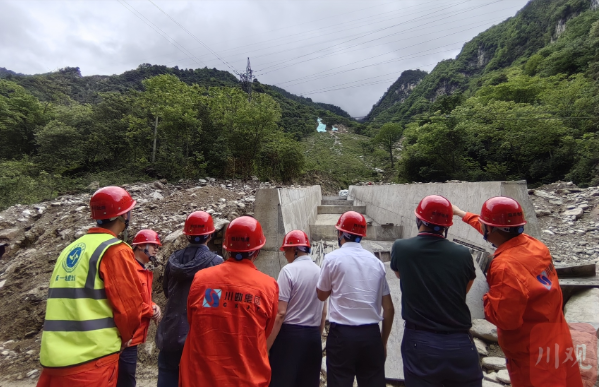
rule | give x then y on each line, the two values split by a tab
35	235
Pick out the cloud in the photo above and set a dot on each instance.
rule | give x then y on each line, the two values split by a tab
342	52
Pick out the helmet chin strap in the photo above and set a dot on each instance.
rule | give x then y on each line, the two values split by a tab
436	229
126	221
152	258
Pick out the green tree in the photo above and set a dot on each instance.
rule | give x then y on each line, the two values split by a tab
433	152
60	147
388	135
246	125
21	115
281	158
165	118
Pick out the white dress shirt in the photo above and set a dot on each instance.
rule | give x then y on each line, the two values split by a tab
357	282
297	286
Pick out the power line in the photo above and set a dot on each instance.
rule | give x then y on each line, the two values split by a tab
409	29
322	28
159	31
301	33
195	37
350	40
401	59
314	77
337	52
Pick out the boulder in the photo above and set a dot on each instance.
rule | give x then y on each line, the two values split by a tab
492	376
575	212
157	196
481	347
503	376
583	307
543	194
173	236
220	223
483	329
541	213
9	233
488	383
158	185
494	363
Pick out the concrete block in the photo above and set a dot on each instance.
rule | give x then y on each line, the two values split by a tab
396	204
576	270
270	262
280	211
340	209
384	233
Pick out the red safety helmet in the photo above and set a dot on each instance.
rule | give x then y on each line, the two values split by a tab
295	238
243	235
110	202
502	211
435	209
352	222
199	223
146	237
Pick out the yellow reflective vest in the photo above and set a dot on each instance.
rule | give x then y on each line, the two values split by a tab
79	325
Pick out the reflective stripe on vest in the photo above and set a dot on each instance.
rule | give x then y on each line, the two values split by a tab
79	325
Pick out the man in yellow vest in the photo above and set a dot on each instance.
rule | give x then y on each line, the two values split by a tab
94	305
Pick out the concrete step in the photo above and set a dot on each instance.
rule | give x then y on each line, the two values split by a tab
340	209
337	202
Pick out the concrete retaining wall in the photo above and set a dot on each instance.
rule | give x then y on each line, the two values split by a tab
396	204
280	210
299	207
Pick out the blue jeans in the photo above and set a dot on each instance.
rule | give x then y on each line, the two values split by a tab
168	368
437	359
127	367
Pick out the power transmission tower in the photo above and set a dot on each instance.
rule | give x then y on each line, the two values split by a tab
246	80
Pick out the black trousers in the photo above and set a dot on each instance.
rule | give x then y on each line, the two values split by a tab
296	356
436	359
127	367
355	351
168	368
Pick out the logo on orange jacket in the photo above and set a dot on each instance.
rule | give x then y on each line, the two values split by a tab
212	298
544	280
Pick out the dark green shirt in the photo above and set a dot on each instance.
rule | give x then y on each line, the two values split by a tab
434	275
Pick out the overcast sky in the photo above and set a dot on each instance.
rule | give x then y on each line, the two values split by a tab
342	52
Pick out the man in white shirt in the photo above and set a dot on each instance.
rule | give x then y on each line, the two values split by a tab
355	280
295	344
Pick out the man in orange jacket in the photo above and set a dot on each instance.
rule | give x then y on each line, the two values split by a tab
524	299
145	246
94	305
231	311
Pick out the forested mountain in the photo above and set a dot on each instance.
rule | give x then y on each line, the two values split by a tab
539	25
396	95
298	114
61	130
519	102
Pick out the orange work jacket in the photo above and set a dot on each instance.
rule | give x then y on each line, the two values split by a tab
525	303
145	281
231	310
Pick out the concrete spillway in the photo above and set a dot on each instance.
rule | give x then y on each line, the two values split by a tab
389	211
